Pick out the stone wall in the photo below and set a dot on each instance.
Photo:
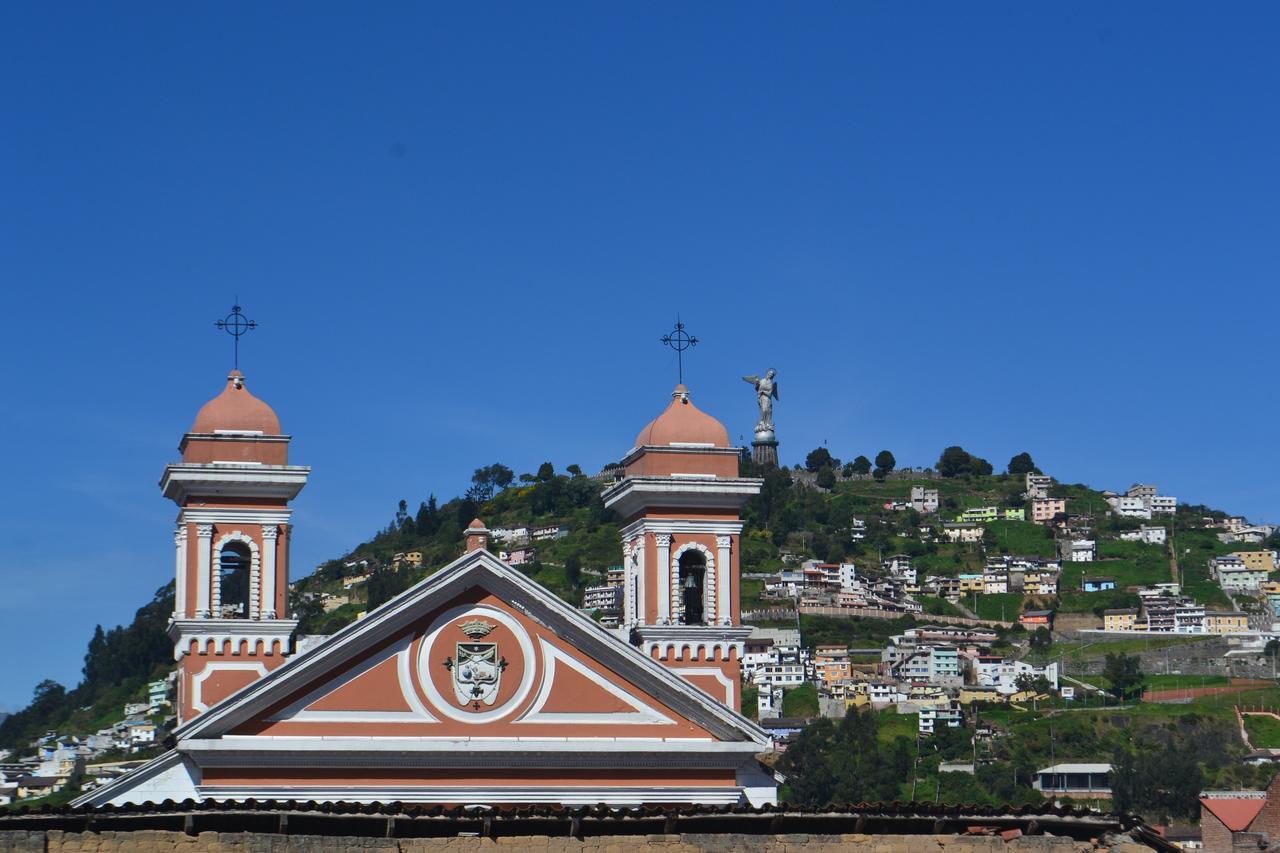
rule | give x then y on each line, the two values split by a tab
155	841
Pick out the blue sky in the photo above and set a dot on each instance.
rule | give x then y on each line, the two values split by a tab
463	229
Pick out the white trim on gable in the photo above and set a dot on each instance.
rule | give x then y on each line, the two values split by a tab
417	713
642	714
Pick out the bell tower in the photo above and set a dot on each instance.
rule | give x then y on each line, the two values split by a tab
232	488
681	500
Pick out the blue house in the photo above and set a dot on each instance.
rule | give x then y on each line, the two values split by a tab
1098	584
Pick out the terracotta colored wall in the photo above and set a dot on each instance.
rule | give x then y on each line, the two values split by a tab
241	450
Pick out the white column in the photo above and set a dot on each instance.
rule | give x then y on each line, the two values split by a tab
663	573
641	586
255	583
180	565
709	599
628	583
268	609
724	610
204	543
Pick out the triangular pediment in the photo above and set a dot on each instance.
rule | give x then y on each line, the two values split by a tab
479	652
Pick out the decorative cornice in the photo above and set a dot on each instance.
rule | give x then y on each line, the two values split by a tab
634	494
185	480
648	524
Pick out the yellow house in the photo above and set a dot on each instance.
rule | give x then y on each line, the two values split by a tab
1270	588
971	583
974	693
1124	619
1225	623
1257	560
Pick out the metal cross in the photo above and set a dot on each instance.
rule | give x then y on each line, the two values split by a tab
679	340
236	324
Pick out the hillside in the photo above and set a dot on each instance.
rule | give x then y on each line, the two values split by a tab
793	516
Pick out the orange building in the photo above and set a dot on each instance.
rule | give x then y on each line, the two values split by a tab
477	685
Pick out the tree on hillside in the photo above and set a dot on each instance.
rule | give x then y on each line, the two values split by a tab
487	481
427	521
820	458
826	477
1159	783
573	569
861	466
885	463
844	762
1023	464
1125	674
546	471
958	462
574	470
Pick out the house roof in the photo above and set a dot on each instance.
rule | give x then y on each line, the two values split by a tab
1077	768
1235	813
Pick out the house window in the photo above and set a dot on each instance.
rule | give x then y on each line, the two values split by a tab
233	580
693	574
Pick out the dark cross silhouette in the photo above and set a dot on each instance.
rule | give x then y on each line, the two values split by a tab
679	340
236	324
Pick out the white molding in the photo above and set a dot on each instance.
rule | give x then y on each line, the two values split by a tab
476	795
229	636
715	671
551	658
708	584
255	568
198	680
184	480
426	663
170	776
205	515
635	493
649	524
417	713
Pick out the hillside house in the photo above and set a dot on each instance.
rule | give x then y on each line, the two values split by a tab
1080	550
924	500
1074	780
1097	584
1147	534
962	531
1038	486
1044	510
1225	622
1120	619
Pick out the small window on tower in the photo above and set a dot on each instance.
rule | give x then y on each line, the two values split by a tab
233	581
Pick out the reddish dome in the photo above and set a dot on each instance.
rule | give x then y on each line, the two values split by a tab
683	423
236	410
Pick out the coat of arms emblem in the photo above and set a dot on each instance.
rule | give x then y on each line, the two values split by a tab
477	671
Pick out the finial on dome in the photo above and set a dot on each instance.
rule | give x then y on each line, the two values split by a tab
679	340
236	324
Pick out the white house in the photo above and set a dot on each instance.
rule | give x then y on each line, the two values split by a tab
1083	551
923	499
1147	533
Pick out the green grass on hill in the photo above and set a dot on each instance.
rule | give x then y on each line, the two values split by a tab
1023	538
1004	606
1264	732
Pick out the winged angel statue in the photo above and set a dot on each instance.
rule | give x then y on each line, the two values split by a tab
766	393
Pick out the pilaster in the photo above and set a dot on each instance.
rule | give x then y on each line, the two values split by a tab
204	545
269	541
662	542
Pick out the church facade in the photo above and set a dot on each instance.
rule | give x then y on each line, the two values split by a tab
477	685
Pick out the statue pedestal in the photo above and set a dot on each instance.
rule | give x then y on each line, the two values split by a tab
764	450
